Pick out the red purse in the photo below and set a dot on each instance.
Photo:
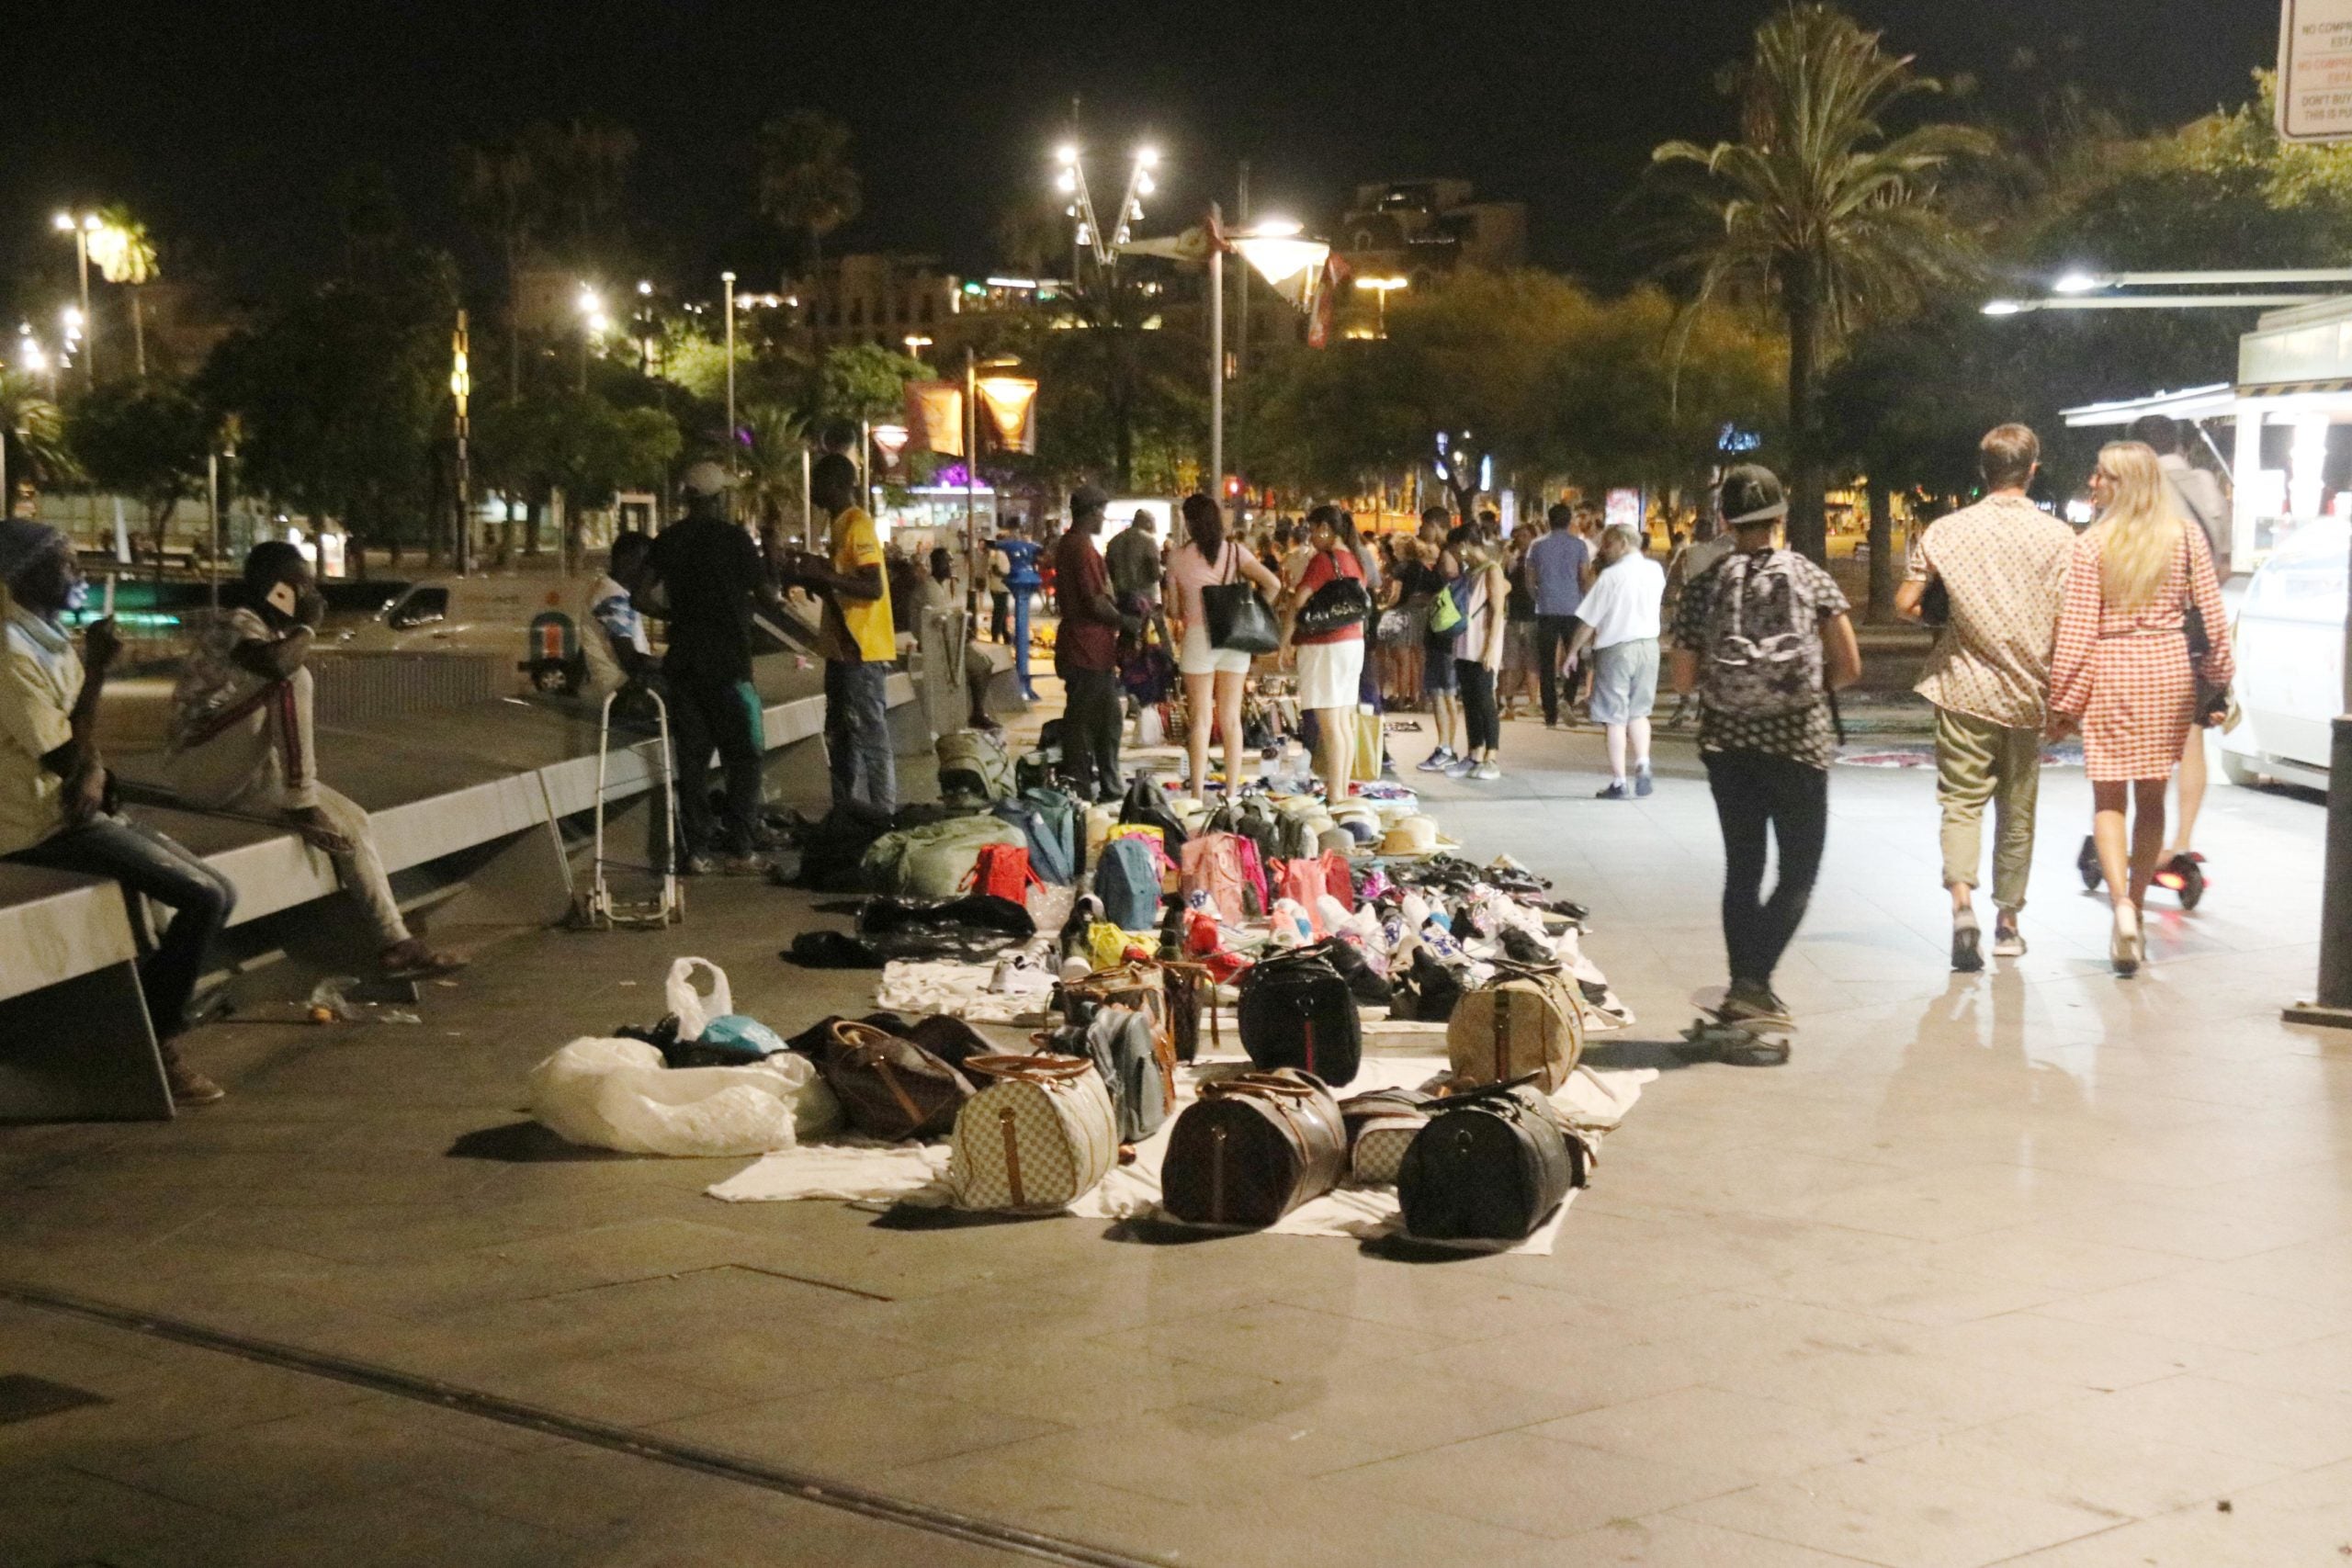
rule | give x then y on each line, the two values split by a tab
1003	870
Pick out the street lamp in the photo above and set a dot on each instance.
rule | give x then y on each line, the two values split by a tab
82	228
728	279
1090	233
916	342
592	322
1383	287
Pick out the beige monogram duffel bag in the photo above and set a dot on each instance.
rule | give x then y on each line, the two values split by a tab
1040	1134
1526	1020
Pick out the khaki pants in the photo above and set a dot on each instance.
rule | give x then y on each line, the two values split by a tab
1978	760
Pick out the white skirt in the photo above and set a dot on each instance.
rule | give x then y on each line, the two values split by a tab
1197	658
1330	674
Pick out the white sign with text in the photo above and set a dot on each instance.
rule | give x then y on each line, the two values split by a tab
2315	71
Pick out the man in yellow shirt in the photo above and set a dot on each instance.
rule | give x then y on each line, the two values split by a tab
857	638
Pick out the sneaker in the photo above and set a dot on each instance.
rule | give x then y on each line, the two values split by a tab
1487	771
1616	791
697	865
1965	958
2008	941
744	865
1643	784
1749	1002
1439	760
188	1087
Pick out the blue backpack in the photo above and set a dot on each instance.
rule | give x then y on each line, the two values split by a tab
1049	854
1064	824
1128	884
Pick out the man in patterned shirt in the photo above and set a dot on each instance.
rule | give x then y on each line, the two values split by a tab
1762	636
2003	566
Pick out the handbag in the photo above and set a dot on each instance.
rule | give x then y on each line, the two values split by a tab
1381	1126
1935	603
1490	1165
1238	617
1336	606
1252	1148
1527	1021
2214	702
1040	1136
891	1087
1297	1011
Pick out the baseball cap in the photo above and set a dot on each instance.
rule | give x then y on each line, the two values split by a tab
706	479
1752	493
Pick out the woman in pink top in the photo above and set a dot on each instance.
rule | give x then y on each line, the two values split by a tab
1330	664
1214	677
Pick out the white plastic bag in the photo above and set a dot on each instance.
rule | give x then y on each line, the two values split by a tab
615	1094
694	1009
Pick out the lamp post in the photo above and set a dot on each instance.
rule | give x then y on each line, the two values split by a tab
462	387
916	342
593	325
728	279
1381	288
82	228
1091	233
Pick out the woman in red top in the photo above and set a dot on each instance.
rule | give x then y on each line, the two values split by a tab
2121	672
1331	663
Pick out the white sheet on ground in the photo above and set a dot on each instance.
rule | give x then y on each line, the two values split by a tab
881	1175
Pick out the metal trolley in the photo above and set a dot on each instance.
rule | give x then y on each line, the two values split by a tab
597	909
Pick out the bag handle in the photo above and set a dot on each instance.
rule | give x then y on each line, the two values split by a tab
1044	1067
1263	1084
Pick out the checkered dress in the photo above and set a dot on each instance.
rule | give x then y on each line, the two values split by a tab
2125	674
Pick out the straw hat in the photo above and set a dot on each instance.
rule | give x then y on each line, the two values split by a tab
1411	835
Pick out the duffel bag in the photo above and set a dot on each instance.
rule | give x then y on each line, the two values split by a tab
1296	1012
891	1087
1037	1136
934	860
1526	1020
974	767
1135	1060
1490	1165
1381	1126
1252	1148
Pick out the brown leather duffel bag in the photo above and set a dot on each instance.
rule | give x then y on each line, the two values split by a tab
891	1087
1252	1148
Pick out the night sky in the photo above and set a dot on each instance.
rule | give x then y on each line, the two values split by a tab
223	123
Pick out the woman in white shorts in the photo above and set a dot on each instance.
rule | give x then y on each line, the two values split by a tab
1330	664
1214	677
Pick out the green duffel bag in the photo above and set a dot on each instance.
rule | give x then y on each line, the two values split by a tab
934	861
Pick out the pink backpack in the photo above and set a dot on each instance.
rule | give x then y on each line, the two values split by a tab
1214	865
1301	880
1339	880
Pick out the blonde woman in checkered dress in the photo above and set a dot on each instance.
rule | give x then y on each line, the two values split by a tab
2121	672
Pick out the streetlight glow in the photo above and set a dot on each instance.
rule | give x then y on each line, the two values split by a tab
1148	157
30	356
90	221
2077	283
644	286
1066	154
1274	229
63	223
2003	308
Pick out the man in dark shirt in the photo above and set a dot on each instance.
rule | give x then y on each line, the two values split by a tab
705	573
1086	651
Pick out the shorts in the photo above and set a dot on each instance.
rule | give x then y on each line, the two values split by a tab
1330	673
1518	647
1624	681
1437	668
1197	658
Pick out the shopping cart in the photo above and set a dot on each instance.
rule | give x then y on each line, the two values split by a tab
597	909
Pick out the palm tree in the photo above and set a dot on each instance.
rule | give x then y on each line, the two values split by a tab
771	464
32	437
126	255
1818	209
503	192
585	165
806	184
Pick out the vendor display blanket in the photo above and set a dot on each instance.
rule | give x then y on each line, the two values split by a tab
879	1176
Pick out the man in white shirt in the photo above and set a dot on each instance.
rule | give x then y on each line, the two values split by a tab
612	630
1619	617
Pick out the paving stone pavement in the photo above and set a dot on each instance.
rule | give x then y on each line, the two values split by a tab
2031	1267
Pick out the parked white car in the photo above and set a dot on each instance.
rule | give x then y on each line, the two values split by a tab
2290	631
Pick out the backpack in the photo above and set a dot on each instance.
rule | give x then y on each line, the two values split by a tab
1250	817
1148	803
1300	879
1003	871
1339	879
1136	1059
1296	836
933	862
1214	865
1298	1012
1060	815
974	766
1049	854
1763	654
1127	881
1450	607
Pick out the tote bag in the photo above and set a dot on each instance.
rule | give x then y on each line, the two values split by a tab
1237	618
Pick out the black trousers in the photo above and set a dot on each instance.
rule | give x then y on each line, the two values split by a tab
1755	793
1482	721
1552	635
1091	724
708	715
999	616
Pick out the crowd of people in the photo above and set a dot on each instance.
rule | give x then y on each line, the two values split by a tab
2118	634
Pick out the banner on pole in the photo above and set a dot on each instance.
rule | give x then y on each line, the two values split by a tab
935	416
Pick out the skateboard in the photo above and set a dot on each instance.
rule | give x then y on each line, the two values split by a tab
1756	1042
2183	875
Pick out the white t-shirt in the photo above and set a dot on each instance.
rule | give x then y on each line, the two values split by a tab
1623	604
40	679
609	616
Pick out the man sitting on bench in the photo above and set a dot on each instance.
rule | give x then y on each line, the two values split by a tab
53	783
241	741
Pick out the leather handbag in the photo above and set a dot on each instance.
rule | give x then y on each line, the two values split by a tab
1036	1137
1237	618
1381	1126
1298	1012
1490	1165
1252	1148
1527	1021
2213	700
1339	603
889	1087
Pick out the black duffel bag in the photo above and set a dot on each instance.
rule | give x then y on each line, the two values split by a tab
1297	1011
1490	1165
1252	1148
